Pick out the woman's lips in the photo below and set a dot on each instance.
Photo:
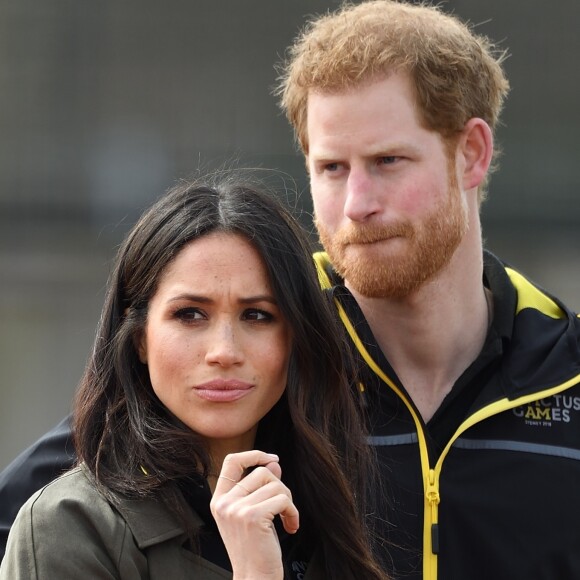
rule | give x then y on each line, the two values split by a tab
223	390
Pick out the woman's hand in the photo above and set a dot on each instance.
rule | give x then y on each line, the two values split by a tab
244	507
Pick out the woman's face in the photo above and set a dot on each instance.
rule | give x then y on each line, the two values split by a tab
215	342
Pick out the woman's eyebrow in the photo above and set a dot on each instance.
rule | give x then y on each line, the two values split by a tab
206	300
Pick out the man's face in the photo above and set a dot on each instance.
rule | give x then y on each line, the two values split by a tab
387	204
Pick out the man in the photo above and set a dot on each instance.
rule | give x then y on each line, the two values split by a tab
471	372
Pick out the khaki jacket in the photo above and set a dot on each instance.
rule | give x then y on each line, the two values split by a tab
68	530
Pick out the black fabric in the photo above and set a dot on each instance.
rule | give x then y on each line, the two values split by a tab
211	546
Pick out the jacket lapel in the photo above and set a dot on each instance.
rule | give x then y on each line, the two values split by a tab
161	538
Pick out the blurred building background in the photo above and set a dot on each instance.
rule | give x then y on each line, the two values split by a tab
104	105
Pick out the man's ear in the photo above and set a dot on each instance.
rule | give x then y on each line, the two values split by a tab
476	149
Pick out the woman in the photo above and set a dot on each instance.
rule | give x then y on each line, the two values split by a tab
216	384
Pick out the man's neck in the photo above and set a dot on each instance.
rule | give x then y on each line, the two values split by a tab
431	337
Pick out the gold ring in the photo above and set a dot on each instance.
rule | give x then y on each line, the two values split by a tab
244	488
228	478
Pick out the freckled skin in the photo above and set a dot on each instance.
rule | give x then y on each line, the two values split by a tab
214	317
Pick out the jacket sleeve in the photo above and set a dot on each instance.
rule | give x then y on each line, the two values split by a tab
42	462
69	531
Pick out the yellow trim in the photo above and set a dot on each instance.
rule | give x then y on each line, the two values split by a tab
503	405
430	481
530	297
321	260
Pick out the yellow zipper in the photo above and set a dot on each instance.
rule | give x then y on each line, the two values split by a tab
430	477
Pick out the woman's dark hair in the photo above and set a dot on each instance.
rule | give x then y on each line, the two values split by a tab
133	446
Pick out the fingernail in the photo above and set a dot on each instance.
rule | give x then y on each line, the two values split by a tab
273	456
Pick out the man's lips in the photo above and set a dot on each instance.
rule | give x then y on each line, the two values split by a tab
362	243
223	390
368	235
371	240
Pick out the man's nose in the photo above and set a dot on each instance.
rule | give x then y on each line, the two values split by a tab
361	197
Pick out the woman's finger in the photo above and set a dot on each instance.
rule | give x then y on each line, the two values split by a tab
290	518
258	490
283	506
257	480
236	464
261	482
274	468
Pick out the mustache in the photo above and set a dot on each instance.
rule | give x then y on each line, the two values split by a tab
369	234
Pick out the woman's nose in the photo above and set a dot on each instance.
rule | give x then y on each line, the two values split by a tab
224	346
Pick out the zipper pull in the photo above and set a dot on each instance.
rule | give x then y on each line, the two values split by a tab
435	538
433	498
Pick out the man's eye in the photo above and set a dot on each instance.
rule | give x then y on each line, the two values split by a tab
387	159
332	167
257	315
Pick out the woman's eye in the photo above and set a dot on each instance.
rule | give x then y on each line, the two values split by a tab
189	314
257	315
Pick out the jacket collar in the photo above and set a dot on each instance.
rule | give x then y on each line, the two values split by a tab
541	336
151	522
